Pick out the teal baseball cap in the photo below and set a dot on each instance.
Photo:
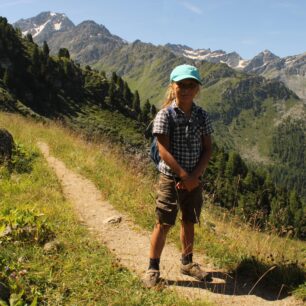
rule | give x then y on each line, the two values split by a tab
185	71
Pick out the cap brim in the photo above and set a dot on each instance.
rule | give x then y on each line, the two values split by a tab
183	77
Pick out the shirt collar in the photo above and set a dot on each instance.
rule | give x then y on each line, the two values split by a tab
193	108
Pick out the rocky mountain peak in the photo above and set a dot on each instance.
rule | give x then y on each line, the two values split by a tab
232	59
87	41
261	61
267	55
93	29
177	47
44	25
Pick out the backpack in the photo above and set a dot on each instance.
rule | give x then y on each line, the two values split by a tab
154	153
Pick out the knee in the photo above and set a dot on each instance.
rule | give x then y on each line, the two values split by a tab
162	227
187	224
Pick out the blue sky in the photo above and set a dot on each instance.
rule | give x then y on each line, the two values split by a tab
245	26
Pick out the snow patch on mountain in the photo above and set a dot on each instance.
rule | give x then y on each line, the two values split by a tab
57	26
40	28
242	64
43	25
232	59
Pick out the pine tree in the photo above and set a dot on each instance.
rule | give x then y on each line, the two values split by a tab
136	103
153	110
114	78
294	202
46	50
146	111
111	93
63	52
280	214
29	37
3	21
231	168
127	94
18	32
250	182
120	84
36	61
221	163
247	205
296	213
7	78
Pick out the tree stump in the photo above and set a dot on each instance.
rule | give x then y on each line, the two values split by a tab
6	145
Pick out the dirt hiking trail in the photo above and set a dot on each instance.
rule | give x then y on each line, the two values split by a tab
130	245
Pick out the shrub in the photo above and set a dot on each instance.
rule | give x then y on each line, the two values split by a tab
24	225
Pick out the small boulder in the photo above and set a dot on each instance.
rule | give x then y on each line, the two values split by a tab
113	220
6	145
52	247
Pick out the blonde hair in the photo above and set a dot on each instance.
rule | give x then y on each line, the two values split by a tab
169	97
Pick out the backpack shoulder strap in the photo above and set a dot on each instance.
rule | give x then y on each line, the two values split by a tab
172	117
200	116
172	114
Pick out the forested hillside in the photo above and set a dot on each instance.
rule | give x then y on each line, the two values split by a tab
32	82
289	151
102	105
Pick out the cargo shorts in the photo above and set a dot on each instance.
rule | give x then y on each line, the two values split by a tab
170	200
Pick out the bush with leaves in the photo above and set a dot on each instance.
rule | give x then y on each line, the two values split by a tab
22	159
24	225
21	162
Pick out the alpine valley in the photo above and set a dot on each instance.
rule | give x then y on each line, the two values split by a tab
97	83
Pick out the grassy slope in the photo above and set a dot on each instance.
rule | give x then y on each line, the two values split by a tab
130	191
97	123
82	272
145	67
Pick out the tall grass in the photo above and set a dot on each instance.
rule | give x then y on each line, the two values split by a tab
128	185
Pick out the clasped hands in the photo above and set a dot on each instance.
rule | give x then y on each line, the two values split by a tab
188	183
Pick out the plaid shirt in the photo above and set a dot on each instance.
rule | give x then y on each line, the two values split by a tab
186	136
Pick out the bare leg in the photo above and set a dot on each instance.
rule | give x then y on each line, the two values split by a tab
158	239
187	237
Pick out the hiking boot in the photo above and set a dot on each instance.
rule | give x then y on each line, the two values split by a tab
194	270
151	278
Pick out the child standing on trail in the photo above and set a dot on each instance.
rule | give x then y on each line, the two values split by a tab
185	149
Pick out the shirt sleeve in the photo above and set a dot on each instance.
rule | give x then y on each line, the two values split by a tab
161	123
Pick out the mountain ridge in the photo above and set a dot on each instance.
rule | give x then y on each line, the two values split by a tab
87	47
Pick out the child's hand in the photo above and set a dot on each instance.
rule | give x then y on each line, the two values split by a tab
190	183
180	186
